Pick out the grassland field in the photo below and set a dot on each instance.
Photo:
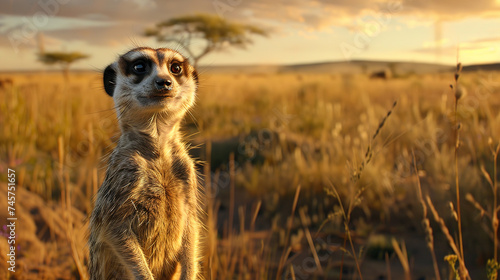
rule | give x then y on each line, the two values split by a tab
307	176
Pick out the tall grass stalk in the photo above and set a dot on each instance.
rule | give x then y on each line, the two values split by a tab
67	208
355	177
347	218
309	240
425	222
492	265
458	94
287	249
494	220
403	257
451	241
388	266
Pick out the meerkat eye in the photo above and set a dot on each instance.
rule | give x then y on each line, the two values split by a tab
139	67
176	68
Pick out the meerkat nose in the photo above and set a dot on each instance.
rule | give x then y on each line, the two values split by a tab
163	83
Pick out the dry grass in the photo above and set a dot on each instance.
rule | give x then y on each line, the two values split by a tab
284	130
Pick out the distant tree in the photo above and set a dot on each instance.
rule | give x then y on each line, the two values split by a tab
65	59
217	33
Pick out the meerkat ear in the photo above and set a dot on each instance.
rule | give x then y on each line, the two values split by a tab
109	79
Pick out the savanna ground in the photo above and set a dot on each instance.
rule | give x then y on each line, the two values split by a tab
307	176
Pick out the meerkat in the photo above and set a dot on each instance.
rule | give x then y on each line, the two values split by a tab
145	222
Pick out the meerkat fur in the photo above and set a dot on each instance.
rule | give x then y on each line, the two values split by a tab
145	223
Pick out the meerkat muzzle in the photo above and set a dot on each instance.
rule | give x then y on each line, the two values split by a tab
163	84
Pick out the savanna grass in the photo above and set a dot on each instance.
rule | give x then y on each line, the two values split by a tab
322	128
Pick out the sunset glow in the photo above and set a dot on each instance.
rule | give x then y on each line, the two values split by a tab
302	31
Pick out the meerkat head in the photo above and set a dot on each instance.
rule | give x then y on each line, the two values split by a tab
145	82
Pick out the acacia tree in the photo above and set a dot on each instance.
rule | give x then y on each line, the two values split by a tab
65	59
217	33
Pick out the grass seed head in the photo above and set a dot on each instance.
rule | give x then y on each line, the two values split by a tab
460	92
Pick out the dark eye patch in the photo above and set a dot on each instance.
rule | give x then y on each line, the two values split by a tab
139	67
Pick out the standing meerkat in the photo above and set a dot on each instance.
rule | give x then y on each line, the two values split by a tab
145	222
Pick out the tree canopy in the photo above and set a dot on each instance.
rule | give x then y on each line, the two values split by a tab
63	58
217	32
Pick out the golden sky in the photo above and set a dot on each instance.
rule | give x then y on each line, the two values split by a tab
302	31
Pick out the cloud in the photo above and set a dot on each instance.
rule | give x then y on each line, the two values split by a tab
112	21
99	22
484	47
454	9
139	11
48	24
320	14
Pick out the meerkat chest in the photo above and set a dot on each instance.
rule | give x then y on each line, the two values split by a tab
160	202
165	182
156	186
171	173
